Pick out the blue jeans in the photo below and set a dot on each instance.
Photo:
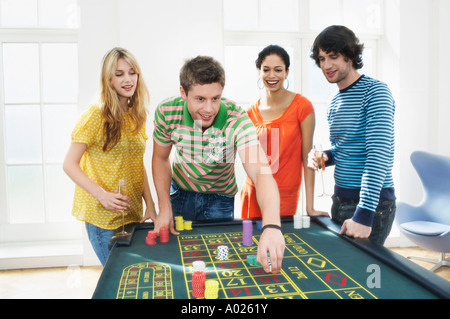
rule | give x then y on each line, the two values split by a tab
382	220
200	206
99	239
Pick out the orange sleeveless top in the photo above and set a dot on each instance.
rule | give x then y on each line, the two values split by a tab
281	139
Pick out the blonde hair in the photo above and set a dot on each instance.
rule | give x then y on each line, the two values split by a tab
109	100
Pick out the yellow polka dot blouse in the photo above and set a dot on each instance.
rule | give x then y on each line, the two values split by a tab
124	160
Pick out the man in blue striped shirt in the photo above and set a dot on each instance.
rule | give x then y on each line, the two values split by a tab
361	123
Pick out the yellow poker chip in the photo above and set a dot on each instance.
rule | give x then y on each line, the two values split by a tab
188	225
179	223
211	283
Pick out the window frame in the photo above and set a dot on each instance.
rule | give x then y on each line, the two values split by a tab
45	231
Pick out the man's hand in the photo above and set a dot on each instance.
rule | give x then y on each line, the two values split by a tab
272	242
354	229
165	219
313	163
162	176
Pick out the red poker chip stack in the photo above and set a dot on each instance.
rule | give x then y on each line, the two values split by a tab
164	235
198	284
151	237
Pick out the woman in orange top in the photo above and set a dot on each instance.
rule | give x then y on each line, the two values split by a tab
285	124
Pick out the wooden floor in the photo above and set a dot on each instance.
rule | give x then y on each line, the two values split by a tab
79	282
405	252
49	283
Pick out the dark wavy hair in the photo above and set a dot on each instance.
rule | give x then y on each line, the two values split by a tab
339	39
273	49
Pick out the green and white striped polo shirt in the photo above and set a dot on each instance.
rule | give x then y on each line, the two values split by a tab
204	160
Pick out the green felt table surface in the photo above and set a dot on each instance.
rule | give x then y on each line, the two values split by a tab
317	264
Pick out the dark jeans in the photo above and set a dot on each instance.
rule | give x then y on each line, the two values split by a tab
382	221
200	206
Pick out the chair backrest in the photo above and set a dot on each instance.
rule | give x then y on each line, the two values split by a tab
434	172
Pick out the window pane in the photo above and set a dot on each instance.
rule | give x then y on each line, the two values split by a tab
292	71
58	124
319	88
25	194
18	13
59	13
280	15
21	72
364	16
242	75
240	15
323	13
60	72
321	133
368	62
23	134
60	191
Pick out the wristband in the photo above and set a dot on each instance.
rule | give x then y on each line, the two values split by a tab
271	226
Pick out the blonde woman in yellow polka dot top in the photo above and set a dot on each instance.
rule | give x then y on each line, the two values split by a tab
108	144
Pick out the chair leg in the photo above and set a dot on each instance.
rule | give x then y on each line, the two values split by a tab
442	262
439	262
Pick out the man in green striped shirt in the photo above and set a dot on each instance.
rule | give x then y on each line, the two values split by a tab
207	131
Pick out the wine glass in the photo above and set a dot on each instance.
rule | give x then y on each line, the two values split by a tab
321	167
122	190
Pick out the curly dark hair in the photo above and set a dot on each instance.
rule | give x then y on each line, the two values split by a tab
273	49
339	39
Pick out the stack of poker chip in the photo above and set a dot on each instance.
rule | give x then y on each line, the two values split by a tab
247	232
198	265
259	224
298	221
222	252
211	289
179	223
306	221
151	237
187	225
164	234
251	260
198	284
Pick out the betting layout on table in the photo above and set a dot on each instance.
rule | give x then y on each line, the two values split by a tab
307	273
317	263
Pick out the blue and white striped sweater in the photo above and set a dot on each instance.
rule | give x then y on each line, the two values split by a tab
361	120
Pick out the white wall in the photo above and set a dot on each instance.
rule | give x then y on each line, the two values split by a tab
415	66
424	111
442	63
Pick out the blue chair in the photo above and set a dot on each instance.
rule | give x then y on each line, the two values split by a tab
428	224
